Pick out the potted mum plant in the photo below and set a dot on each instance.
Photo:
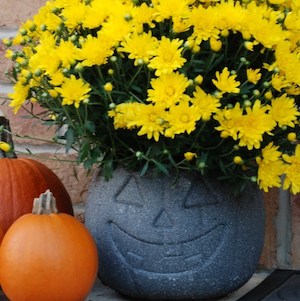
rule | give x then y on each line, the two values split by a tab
192	106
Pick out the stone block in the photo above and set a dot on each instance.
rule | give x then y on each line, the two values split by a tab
295	218
29	130
75	178
5	64
14	12
268	257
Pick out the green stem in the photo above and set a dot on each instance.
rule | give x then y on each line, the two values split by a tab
134	77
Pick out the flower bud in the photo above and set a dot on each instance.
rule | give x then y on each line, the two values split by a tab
7	42
215	45
78	67
166	151
292	137
140	62
43	27
32	27
139	154
238	160
199	79
23	31
127	17
268	95
5	147
38	72
225	33
108	87
247	103
201	165
113	59
256	93
112	106
196	48
189	156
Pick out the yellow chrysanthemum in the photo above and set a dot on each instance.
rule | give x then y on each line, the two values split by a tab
73	91
226	82
279	82
284	111
124	114
19	96
253	75
47	18
292	175
97	12
139	47
205	24
66	51
229	120
150	119
74	15
167	56
253	125
181	118
168	89
165	9
205	104
270	167
94	51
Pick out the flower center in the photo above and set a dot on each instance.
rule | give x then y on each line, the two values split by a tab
168	56
184	118
170	91
152	117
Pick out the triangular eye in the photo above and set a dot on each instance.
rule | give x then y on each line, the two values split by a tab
201	194
130	194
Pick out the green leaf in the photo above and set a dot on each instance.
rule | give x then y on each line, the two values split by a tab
161	167
107	170
145	168
90	126
70	138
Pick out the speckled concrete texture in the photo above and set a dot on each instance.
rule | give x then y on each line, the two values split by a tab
103	293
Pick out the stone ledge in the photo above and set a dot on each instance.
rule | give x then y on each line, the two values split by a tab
102	292
8	32
5	88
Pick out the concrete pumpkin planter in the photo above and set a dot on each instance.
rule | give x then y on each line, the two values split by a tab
157	240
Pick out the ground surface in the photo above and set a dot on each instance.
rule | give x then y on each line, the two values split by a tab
103	293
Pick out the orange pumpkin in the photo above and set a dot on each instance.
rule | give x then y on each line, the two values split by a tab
22	180
47	256
1	234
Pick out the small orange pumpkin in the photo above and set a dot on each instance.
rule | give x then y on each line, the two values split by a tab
47	256
22	180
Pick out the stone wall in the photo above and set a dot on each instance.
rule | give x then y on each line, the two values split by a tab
12	14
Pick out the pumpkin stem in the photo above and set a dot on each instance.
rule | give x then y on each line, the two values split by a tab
45	204
6	136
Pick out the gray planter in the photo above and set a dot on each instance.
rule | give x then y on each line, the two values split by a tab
158	241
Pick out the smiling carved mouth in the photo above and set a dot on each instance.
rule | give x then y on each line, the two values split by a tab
161	257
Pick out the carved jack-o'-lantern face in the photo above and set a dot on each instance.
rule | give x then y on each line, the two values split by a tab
163	229
154	237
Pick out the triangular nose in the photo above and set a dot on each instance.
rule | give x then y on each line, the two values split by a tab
163	220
